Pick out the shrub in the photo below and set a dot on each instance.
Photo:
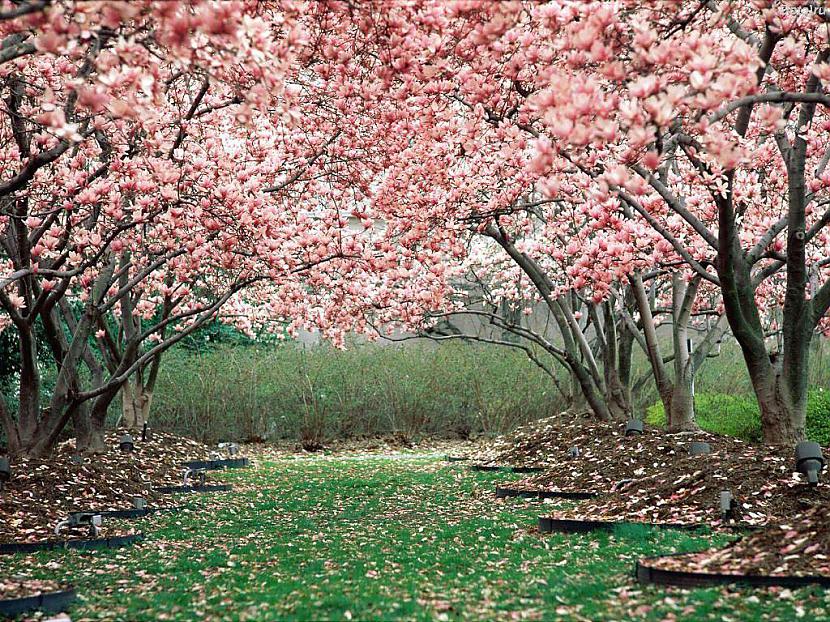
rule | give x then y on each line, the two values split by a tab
318	393
739	416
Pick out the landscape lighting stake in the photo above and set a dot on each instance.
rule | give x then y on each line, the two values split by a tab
76	519
573	452
727	504
139	503
809	461
145	432
699	448
126	443
5	472
199	474
634	426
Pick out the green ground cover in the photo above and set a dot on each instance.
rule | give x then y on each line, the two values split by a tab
411	538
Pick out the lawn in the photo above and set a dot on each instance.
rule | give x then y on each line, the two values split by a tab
410	538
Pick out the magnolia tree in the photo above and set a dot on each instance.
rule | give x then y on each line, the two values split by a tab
706	122
469	170
122	186
165	164
710	124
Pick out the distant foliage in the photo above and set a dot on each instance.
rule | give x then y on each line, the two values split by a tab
318	393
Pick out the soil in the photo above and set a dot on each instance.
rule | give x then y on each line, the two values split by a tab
800	548
44	491
653	479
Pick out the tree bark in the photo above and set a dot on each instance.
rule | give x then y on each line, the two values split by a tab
135	404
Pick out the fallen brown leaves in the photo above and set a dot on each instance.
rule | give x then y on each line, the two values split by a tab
44	491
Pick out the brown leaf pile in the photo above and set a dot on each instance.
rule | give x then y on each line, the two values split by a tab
652	477
687	490
799	548
44	491
606	458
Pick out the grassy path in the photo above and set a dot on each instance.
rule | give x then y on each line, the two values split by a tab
412	539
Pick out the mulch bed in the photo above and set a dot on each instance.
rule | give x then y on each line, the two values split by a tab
687	490
19	596
798	549
606	455
44	491
652	479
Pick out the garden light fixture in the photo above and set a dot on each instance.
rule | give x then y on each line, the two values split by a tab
727	505
699	448
139	503
77	519
809	461
573	452
198	474
634	426
5	472
126	444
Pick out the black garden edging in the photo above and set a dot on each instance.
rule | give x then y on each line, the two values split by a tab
455	458
49	602
216	465
657	576
188	489
570	525
517	469
502	493
98	543
136	513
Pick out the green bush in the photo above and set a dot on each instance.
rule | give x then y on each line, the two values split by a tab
818	416
318	393
739	416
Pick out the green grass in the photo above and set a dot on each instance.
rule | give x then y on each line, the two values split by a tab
739	416
378	539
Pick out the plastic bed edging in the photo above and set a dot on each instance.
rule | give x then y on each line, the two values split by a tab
569	525
503	492
215	465
188	489
97	543
48	602
681	578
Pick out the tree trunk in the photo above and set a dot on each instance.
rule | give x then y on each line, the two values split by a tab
595	400
91	441
619	405
95	442
783	415
680	411
577	402
135	404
